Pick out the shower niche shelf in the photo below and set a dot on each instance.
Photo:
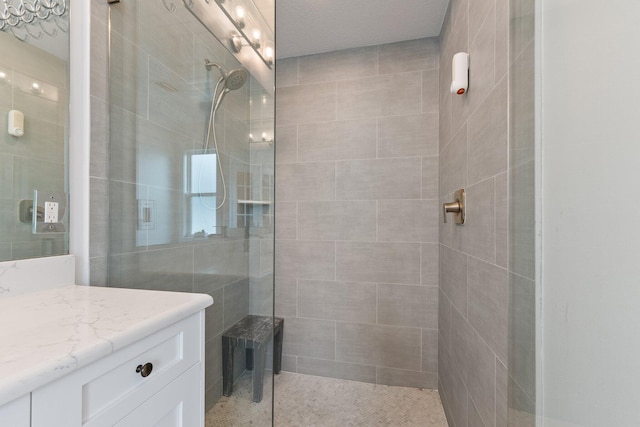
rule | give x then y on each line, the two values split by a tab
254	202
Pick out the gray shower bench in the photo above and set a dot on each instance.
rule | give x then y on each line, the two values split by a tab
252	333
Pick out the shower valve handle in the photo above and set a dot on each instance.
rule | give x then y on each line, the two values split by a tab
458	207
450	207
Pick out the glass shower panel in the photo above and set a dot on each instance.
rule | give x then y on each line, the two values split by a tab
191	206
521	370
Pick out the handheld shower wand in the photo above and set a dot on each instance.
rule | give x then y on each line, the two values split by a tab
232	80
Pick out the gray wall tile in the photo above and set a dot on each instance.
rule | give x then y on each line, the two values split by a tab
522	327
482	50
522	219
444	323
344	220
476	362
420	54
406	136
99	238
479	228
404	305
286	297
388	346
333	369
474	417
289	363
430	91
453	277
378	179
287	72
287	137
304	104
339	65
378	262
98	269
453	164
408	220
430	172
455	393
380	96
214	315
343	301
430	273
306	260
338	140
502	220
219	264
430	350
287	220
306	181
236	302
502	409
404	378
488	296
488	135
310	338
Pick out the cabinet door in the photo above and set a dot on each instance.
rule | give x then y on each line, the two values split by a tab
177	405
16	413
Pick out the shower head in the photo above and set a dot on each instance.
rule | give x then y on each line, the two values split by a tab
233	79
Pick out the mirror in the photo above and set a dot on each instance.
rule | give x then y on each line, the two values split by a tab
34	58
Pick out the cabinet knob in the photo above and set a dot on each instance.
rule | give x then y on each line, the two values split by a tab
145	370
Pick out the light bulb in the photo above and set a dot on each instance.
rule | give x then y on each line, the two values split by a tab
3	75
268	54
264	136
256	34
35	86
240	16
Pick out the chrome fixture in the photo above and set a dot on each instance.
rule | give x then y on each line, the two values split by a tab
231	80
458	207
251	29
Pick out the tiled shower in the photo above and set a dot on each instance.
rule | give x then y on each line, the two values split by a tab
357	213
372	285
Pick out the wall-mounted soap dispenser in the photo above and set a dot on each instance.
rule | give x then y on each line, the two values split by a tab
16	123
460	73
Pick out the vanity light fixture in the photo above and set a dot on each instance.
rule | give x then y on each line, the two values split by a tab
251	28
263	139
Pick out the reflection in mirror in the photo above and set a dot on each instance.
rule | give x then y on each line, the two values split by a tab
34	51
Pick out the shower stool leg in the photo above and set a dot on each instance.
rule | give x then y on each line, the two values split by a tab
259	355
249	359
277	348
227	366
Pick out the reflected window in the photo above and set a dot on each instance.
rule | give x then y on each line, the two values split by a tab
201	184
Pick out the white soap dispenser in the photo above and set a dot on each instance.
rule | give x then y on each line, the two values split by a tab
460	73
16	123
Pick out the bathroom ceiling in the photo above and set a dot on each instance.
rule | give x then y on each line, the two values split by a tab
305	27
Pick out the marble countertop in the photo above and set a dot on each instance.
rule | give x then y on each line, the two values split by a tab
46	335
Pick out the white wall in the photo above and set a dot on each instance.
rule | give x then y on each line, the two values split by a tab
591	170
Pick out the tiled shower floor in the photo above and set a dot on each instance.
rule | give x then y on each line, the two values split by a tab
305	401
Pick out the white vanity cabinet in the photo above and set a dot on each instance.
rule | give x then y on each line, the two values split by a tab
119	390
16	413
83	356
